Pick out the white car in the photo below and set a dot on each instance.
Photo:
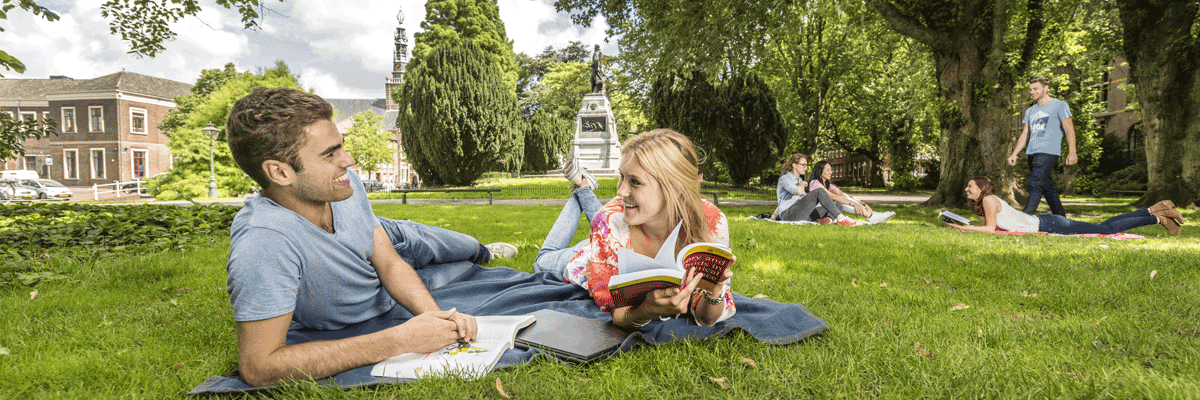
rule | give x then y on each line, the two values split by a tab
48	189
22	192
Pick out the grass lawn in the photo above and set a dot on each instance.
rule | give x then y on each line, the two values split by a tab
915	309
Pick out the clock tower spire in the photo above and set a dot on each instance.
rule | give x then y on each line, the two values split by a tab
399	61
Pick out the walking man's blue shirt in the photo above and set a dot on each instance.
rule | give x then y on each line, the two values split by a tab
1045	126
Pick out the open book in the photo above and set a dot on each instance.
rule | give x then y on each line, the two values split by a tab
952	218
638	275
467	360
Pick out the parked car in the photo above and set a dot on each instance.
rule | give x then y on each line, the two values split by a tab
48	189
18	174
132	187
22	192
372	185
388	186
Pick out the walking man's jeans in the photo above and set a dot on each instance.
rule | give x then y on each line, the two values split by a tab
1041	165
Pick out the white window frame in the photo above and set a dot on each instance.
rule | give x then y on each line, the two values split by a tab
133	162
67	173
103	164
69	122
45	117
145	121
92	129
23	114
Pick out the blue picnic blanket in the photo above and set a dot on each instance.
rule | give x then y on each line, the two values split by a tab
476	290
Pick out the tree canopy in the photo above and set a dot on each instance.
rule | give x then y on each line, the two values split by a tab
450	22
209	101
367	141
458	116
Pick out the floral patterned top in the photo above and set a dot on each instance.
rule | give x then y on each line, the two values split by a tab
596	262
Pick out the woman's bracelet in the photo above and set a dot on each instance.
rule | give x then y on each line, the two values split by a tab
629	320
713	300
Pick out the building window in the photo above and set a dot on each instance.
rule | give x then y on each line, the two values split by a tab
31	163
137	120
96	119
45	118
139	164
68	119
97	163
70	164
28	117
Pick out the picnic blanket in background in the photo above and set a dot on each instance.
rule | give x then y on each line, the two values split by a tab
783	222
1117	236
503	291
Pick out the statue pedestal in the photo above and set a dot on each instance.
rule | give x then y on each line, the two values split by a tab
596	146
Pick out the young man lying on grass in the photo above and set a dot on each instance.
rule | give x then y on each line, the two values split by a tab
309	252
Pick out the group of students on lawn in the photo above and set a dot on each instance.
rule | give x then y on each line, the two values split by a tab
309	253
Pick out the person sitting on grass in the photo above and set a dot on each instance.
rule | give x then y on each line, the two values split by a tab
797	203
997	213
822	175
659	188
309	253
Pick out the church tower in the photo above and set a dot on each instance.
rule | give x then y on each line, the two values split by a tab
399	61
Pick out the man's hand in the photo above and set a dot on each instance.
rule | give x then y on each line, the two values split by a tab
1072	158
1012	160
426	332
468	331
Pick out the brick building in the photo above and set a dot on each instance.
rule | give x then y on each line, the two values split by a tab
107	126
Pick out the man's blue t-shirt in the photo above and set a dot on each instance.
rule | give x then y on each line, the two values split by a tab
1045	126
280	262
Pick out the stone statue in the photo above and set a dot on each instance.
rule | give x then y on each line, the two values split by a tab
598	76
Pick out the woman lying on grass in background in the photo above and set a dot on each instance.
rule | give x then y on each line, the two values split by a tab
822	173
659	187
997	213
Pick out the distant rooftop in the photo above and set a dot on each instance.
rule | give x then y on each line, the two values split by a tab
348	108
129	82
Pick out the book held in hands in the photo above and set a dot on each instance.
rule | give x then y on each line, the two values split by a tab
638	275
952	218
467	360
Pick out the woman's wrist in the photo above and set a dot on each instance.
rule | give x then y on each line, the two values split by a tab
633	318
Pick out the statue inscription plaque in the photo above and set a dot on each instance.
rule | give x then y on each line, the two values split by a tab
594	124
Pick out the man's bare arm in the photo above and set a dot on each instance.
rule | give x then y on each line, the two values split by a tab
265	358
1069	131
406	287
1012	159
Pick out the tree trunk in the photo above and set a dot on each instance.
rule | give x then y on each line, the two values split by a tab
1162	56
976	138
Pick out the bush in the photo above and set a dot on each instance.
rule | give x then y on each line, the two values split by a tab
905	183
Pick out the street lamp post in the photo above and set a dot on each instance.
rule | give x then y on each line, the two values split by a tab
212	132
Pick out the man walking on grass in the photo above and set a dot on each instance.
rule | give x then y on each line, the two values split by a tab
1044	126
309	253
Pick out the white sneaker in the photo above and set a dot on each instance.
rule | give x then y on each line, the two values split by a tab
881	217
502	250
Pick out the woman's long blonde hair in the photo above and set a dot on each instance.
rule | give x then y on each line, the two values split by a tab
670	158
786	168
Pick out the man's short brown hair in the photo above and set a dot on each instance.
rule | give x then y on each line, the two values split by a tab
268	124
1041	79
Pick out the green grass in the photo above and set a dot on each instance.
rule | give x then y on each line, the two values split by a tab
1048	317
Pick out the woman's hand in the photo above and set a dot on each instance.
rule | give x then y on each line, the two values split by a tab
670	301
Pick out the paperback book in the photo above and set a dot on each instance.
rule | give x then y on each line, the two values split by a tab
466	360
638	275
952	218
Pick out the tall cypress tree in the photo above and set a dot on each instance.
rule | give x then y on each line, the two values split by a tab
458	115
451	22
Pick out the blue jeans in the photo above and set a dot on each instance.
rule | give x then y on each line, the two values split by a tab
1051	223
422	245
556	250
1041	165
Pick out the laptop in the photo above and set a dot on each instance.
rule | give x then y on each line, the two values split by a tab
570	337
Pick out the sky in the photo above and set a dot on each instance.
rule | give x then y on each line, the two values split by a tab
340	49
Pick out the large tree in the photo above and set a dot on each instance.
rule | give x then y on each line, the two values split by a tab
367	141
207	102
1162	45
981	50
451	22
458	115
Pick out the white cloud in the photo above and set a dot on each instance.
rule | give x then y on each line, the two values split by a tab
340	49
